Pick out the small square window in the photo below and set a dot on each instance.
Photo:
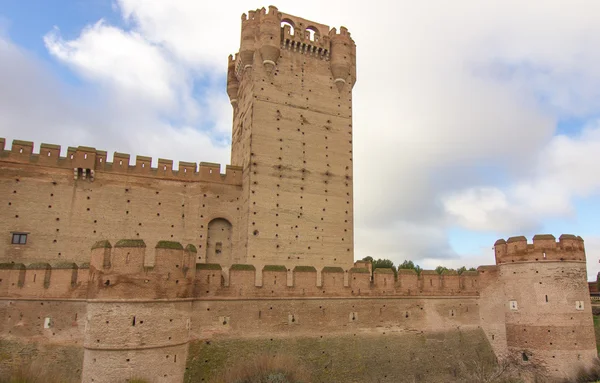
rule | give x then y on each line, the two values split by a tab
513	305
19	239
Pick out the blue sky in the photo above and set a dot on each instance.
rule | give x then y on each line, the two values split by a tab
466	129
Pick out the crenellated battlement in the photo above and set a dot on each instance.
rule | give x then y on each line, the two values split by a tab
44	280
308	281
544	247
86	162
267	33
130	270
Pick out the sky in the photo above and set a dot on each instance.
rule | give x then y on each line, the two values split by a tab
473	120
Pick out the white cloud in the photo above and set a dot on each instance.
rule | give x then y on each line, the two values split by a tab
121	59
564	169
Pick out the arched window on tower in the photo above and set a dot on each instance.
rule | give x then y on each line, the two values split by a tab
312	33
287	32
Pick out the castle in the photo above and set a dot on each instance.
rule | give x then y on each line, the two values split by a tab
116	271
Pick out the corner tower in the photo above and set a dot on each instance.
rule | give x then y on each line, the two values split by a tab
290	86
547	310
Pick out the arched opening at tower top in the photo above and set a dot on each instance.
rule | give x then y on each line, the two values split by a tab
290	23
313	33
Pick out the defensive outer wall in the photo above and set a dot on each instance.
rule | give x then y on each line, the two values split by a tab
138	311
268	264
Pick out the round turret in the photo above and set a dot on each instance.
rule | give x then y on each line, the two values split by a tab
342	57
233	85
250	28
270	37
547	305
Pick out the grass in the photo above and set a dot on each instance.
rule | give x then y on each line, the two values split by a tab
590	374
32	374
274	268
266	369
331	269
305	269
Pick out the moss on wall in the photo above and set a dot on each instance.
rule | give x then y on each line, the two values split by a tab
101	245
191	248
39	266
274	268
359	270
130	243
373	357
330	269
305	269
169	245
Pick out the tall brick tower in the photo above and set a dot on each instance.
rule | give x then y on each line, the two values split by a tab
290	86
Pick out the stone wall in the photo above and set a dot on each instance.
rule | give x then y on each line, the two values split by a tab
43	338
63	215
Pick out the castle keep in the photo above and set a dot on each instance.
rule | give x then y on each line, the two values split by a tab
115	271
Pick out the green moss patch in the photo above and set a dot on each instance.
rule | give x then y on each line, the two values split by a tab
169	245
39	266
208	266
383	271
274	268
130	243
64	265
11	266
330	269
305	269
102	245
191	248
359	270
242	267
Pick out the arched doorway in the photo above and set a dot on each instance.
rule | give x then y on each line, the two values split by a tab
218	246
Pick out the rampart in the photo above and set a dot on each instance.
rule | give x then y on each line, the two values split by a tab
142	305
544	248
